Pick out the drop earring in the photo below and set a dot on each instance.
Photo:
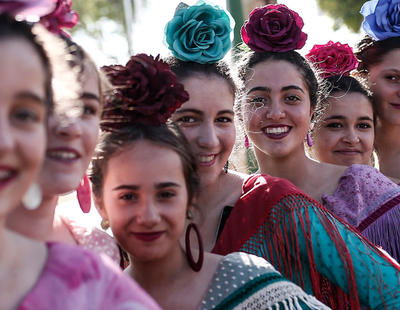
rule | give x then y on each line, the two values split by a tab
33	197
83	194
309	141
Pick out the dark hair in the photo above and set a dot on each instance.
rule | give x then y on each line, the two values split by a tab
249	59
10	28
112	143
371	52
345	84
186	69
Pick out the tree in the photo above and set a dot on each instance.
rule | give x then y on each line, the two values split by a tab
345	12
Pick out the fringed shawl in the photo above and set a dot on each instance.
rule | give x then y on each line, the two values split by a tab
275	220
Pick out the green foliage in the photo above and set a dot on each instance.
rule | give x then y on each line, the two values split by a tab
345	12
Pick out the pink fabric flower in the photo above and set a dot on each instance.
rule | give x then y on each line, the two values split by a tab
61	17
274	28
333	58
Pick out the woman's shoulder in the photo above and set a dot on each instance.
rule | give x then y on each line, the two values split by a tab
248	281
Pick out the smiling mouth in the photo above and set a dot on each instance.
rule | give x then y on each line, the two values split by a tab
395	105
6	175
349	152
206	160
62	155
276	132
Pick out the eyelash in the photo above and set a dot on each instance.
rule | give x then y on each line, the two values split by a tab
26	115
392	78
338	125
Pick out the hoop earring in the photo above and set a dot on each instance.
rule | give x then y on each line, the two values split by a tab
83	194
309	141
226	166
196	266
33	197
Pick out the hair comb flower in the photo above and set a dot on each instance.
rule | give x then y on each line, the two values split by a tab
333	59
381	18
61	17
145	91
273	28
199	33
29	10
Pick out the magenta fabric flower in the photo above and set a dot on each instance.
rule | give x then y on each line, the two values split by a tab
273	28
333	58
61	17
146	91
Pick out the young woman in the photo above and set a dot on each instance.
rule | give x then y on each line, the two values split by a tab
379	63
343	123
280	222
71	143
38	275
147	200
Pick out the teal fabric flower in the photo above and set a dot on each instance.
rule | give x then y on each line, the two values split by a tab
381	18
199	33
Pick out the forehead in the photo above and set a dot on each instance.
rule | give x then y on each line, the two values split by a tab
149	163
349	105
208	92
90	79
390	61
275	74
21	69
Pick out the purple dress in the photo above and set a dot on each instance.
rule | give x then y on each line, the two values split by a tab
77	279
370	202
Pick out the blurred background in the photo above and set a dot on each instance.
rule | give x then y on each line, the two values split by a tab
111	30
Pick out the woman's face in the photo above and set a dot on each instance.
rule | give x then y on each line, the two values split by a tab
276	108
384	81
71	142
207	121
145	201
345	135
22	119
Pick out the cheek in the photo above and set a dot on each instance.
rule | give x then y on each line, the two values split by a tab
32	147
91	136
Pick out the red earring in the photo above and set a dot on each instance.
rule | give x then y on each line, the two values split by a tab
83	193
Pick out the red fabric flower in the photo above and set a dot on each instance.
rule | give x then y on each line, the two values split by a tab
146	91
333	58
61	17
274	28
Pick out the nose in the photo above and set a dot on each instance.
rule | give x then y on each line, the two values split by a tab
274	111
148	214
351	137
208	136
68	128
6	136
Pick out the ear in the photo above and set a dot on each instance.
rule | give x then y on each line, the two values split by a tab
98	202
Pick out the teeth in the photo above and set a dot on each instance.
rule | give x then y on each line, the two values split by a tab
206	159
277	130
4	174
62	155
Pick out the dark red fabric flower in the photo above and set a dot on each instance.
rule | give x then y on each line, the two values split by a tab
274	28
333	58
61	17
146	91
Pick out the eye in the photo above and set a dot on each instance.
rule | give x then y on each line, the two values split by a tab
166	194
334	125
224	119
89	110
128	196
292	99
186	119
258	102
26	115
364	126
392	77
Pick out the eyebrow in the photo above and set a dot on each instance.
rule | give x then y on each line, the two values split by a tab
167	184
30	95
87	95
268	90
362	118
137	187
125	186
198	112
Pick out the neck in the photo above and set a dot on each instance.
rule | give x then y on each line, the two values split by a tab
387	144
159	275
296	168
41	220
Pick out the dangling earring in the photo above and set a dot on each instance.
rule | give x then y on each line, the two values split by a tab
309	141
83	194
196	266
105	224
226	166
246	142
33	197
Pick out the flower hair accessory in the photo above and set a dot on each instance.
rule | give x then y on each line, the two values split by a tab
273	28
145	91
29	10
333	58
200	33
61	17
381	18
